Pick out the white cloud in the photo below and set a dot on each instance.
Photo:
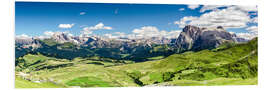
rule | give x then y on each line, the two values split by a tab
82	13
64	26
210	7
86	32
228	18
121	34
236	7
247	36
89	30
151	31
42	37
98	26
48	33
173	34
51	33
23	36
251	8
193	6
116	35
184	21
145	32
253	29
109	35
252	32
181	9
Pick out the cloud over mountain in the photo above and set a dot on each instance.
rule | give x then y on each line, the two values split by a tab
252	32
48	33
145	32
228	16
247	36
231	17
253	29
89	30
23	36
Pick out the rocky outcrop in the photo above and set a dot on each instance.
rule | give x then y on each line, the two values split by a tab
62	37
195	38
27	43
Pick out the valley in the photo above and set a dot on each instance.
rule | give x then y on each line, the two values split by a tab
226	65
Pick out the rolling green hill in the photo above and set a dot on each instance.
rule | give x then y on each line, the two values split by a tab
229	64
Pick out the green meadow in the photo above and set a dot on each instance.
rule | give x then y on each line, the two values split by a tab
229	64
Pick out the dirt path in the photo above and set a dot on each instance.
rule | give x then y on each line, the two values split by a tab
251	53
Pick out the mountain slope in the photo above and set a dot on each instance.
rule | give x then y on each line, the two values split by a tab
238	61
230	63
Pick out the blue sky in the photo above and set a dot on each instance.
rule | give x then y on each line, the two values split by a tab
35	18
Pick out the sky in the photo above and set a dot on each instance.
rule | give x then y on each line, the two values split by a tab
130	20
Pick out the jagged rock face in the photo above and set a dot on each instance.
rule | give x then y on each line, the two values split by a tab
195	38
95	41
187	37
99	42
160	40
63	37
27	42
23	41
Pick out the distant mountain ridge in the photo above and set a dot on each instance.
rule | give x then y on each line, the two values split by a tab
63	45
190	36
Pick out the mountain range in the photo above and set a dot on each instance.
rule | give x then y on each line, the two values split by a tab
199	56
61	44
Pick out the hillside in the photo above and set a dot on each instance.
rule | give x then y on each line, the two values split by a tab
237	61
228	64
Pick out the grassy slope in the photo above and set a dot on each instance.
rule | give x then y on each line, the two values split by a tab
66	74
239	61
21	83
216	81
190	68
90	68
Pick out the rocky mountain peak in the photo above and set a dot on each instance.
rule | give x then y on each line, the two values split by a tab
27	43
61	37
191	30
220	27
195	38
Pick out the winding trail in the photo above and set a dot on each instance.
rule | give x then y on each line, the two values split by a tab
251	53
